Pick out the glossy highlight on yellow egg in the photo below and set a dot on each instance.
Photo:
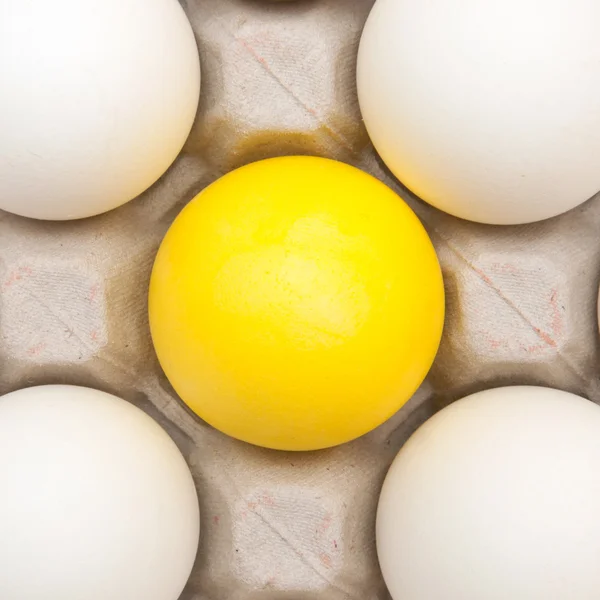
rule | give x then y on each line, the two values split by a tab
296	303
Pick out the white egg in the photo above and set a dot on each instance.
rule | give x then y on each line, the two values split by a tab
496	498
97	99
97	502
486	109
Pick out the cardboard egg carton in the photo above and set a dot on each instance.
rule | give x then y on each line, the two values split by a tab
278	78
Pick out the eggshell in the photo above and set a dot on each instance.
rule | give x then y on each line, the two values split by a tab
97	501
496	497
296	303
488	110
98	98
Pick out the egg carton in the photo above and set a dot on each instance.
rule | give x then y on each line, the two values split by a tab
279	78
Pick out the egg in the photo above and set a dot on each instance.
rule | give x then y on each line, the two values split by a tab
487	110
296	303
97	501
496	497
98	98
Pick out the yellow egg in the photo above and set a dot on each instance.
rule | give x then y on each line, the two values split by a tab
296	303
